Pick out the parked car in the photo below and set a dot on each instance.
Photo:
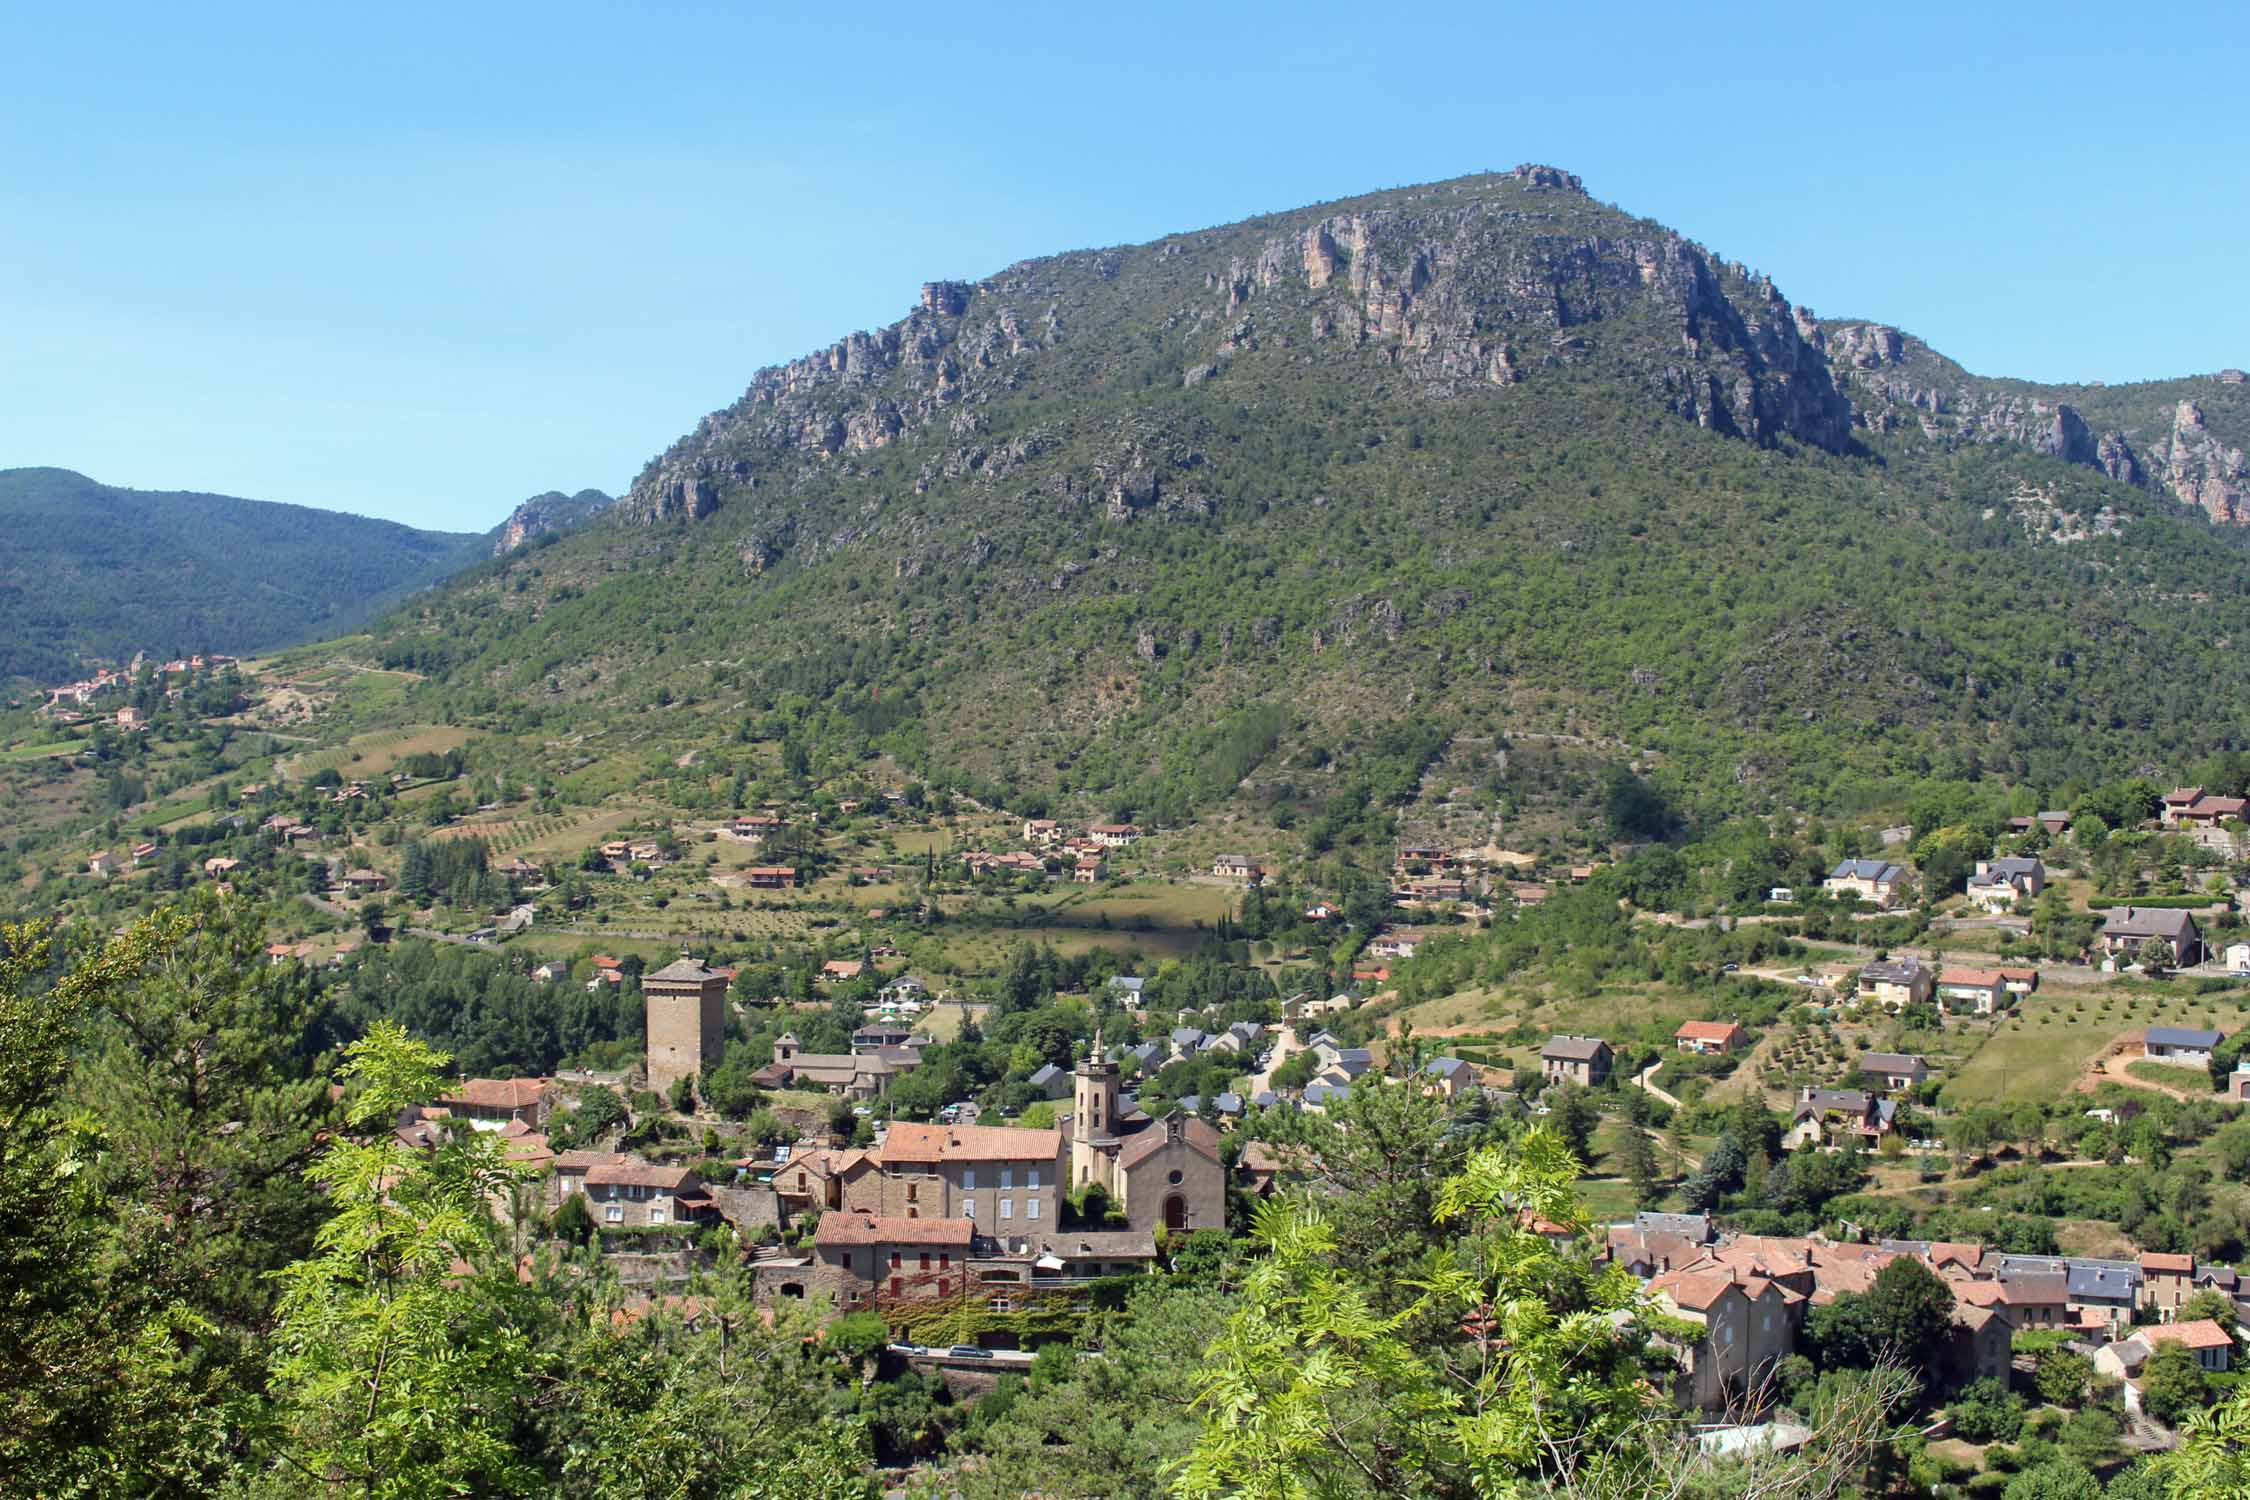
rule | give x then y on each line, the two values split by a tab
968	1351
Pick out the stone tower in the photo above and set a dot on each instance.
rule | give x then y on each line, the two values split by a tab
1093	1113
687	1020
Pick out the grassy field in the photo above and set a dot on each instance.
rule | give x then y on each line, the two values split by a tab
373	754
2056	1035
2171	1075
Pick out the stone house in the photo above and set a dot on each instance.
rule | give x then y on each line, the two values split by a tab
640	1193
1450	1077
489	1103
862	1260
2166	1281
1827	1117
2127	928
2212	1346
1747	1329
2102	1291
999	1179
1896	983
1583	1060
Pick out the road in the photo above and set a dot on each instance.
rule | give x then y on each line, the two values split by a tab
1646	1080
1284	1043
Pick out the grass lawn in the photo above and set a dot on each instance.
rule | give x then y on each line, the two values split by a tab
1607	1199
2171	1075
2034	1056
2057	1033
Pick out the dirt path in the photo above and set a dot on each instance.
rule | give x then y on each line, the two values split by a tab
1646	1081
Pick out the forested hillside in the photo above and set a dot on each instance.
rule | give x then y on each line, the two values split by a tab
1152	526
94	570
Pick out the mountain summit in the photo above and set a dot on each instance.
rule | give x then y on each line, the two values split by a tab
1221	514
1483	282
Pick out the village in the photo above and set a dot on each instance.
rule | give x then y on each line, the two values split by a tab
817	1058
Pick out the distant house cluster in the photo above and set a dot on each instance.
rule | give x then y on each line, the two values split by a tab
1742	1301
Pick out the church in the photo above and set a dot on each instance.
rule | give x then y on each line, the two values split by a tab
1164	1173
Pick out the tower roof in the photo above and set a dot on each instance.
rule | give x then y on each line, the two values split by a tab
682	970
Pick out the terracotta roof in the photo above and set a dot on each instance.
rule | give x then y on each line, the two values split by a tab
1707	1031
585	1160
2200	1334
640	1174
908	1142
1983	978
2169	1265
846	1228
496	1093
1697	1291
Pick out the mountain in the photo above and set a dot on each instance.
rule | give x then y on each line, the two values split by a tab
92	570
550	514
1300	510
2180	438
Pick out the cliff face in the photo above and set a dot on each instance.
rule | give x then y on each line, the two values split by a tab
546	515
1459	287
2160	443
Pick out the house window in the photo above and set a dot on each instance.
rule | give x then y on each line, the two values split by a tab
1007	1177
898	1285
894	1259
614	1214
968	1179
1173	1178
656	1215
1032	1177
913	1192
968	1208
925	1261
1007	1208
1031	1209
943	1260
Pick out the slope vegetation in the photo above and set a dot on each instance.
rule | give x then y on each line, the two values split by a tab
94	570
1275	509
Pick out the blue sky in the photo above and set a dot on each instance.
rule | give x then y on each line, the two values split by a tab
420	262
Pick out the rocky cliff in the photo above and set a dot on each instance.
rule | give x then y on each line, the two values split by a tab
1465	289
2160	440
547	515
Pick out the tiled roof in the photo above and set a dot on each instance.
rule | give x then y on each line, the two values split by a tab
682	970
640	1174
2200	1334
1697	1291
847	1228
931	1144
1574	1048
1707	1031
496	1093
